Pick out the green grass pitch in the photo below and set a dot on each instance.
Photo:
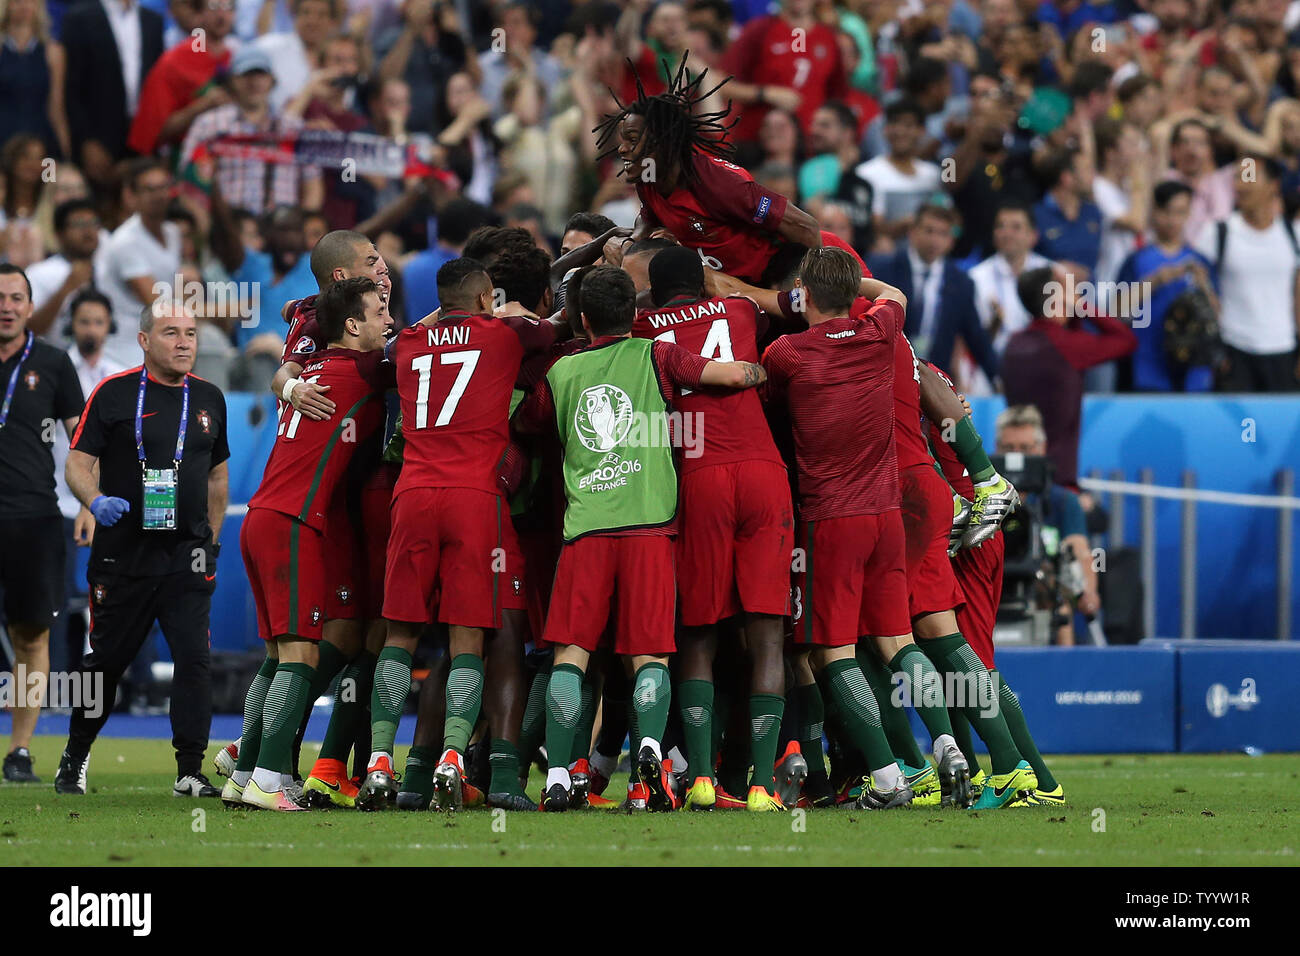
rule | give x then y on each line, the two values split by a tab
1226	810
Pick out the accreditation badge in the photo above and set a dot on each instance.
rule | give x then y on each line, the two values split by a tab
159	499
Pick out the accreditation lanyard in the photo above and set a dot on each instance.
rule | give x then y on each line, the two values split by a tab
159	511
13	379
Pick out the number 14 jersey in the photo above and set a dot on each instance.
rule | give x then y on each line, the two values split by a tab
454	380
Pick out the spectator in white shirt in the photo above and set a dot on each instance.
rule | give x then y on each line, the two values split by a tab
901	182
80	263
996	299
294	54
1258	264
144	252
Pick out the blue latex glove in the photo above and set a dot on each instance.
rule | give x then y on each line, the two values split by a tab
108	510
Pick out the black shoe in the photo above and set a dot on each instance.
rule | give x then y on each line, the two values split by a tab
71	777
412	800
511	801
194	785
556	799
18	767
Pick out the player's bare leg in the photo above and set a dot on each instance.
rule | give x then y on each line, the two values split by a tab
387	698
464	701
504	701
286	699
31	646
944	644
860	718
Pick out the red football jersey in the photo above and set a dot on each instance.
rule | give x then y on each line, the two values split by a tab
455	380
908	433
838	379
769	52
310	458
953	470
728	425
724	215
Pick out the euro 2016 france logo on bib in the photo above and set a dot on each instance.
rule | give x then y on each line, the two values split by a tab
603	417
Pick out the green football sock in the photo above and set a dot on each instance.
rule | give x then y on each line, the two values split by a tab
812	716
952	655
388	696
250	743
961	732
349	707
898	731
924	687
504	760
464	700
858	712
533	728
969	449
765	713
1019	727
695	704
563	708
419	771
586	721
285	700
651	698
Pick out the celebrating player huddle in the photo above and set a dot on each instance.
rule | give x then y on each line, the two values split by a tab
682	532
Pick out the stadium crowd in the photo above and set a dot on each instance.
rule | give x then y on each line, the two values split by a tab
262	162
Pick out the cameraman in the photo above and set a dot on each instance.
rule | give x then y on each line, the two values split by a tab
1064	530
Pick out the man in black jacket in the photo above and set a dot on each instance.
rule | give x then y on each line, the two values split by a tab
111	45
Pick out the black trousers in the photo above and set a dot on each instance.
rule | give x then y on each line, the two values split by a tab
123	611
1247	372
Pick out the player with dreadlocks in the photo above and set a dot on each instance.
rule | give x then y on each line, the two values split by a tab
678	155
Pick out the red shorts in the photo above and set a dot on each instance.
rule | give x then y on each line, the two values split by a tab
376	517
927	520
541	548
630	575
450	547
734	541
851	580
285	562
980	572
345	564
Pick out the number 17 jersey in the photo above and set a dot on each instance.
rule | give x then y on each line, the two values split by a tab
454	380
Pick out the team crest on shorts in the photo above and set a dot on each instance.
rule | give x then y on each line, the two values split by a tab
315	615
32	378
517	585
344	595
205	420
99	593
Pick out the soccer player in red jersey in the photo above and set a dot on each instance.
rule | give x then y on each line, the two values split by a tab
282	538
979	570
678	159
609	403
737	523
340	254
850	573
451	531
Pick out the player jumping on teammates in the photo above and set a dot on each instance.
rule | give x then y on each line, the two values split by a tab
678	157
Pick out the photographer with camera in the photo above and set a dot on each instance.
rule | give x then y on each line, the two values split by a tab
1057	519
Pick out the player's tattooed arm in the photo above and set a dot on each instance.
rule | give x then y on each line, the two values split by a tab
738	375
